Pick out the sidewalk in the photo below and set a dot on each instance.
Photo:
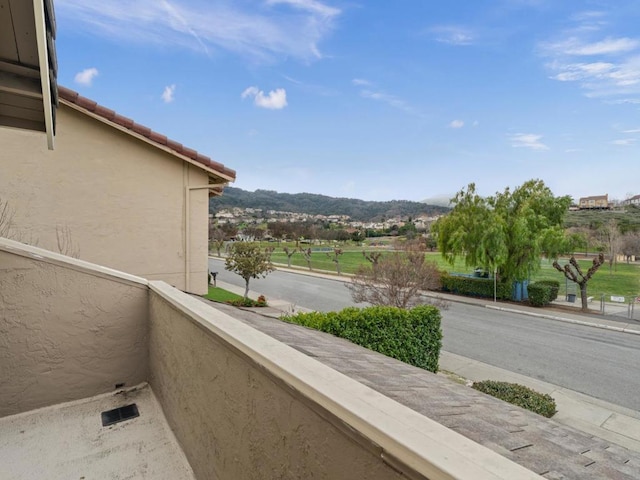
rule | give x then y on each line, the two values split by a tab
608	421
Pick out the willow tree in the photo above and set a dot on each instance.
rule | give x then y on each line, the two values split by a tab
508	231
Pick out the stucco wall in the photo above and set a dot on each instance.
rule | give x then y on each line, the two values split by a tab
234	421
66	332
120	199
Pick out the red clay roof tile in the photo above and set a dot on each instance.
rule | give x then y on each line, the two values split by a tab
155	137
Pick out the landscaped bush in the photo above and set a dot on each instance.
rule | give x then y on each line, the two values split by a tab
543	292
247	302
554	285
474	286
412	336
539	294
519	395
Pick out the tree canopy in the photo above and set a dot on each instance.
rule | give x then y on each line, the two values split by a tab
249	261
508	231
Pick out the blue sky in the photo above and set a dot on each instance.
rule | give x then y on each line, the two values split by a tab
375	99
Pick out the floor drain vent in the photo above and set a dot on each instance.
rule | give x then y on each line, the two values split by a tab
119	414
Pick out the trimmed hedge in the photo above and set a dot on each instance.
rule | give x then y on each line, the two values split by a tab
539	295
474	286
554	285
543	292
411	336
519	395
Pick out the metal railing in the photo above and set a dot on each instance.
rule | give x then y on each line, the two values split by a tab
618	305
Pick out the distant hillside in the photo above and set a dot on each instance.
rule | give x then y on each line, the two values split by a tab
628	218
314	204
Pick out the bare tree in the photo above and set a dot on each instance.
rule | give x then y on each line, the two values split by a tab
66	245
373	257
630	245
610	234
306	253
573	272
217	237
335	257
398	280
289	252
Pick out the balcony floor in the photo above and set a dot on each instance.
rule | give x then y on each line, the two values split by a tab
68	441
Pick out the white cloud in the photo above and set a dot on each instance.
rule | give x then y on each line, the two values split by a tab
387	98
361	82
608	46
615	67
367	91
86	76
528	140
274	100
168	93
312	6
456	124
239	27
634	130
624	142
453	35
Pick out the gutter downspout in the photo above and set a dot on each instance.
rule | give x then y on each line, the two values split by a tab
187	228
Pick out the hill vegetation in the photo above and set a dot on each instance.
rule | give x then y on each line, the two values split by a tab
314	204
628	219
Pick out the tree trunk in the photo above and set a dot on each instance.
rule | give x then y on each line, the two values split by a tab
583	296
246	289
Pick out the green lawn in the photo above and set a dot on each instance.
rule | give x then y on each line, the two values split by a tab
623	281
217	294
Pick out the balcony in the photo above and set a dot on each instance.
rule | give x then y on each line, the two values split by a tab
217	399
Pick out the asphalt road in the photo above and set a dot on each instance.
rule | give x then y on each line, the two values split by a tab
600	363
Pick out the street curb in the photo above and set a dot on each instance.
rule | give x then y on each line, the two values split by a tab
566	320
470	301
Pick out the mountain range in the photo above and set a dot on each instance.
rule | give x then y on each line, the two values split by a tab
314	204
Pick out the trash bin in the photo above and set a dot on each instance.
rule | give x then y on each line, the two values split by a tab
571	297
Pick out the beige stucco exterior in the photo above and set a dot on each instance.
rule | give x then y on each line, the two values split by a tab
66	332
119	199
234	421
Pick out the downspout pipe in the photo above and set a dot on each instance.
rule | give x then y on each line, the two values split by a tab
187	228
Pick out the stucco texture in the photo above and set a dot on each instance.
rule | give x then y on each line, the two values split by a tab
113	199
66	334
233	420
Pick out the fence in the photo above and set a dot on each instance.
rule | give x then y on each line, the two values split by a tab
620	306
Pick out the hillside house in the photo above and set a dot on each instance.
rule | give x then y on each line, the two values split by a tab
595	202
635	200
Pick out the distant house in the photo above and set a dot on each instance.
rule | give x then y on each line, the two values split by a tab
595	202
113	192
635	200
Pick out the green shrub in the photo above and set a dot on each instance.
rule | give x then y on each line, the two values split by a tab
554	285
539	294
474	286
247	302
519	395
412	336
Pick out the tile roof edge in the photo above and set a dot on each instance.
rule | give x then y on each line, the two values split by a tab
110	116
